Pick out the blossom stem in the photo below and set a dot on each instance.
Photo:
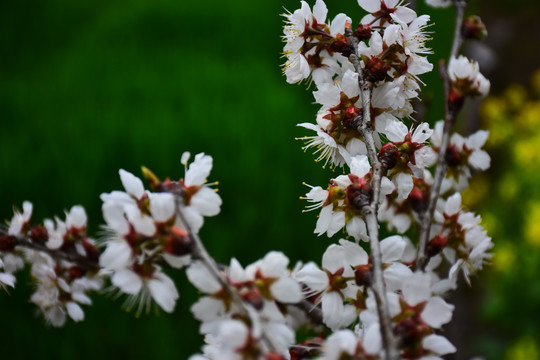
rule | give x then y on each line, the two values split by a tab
369	211
200	252
450	116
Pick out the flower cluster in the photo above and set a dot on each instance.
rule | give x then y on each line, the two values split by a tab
257	326
149	229
387	48
62	282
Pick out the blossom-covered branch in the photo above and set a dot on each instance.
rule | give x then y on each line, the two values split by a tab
367	298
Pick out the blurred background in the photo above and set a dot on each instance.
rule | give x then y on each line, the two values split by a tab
89	87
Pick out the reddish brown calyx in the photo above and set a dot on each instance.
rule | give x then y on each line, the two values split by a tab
144	270
342	45
375	69
411	329
363	32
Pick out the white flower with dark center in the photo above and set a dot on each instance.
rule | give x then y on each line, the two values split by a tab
334	282
465	75
199	198
18	221
424	156
146	285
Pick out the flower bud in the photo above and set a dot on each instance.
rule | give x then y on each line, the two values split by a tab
352	118
359	195
76	272
389	155
39	234
6	243
362	275
473	28
436	245
152	179
417	200
178	243
254	297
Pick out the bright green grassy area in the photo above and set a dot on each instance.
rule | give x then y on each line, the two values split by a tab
89	87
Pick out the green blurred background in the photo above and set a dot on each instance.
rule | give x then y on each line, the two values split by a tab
88	87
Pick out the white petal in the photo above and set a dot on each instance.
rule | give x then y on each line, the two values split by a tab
114	217
76	217
453	204
480	160
313	277
127	281
163	291
334	258
320	11
396	131
162	206
74	311
372	339
286	290
131	183
198	170
332	308
199	275
370	5
438	344
417	288
356	227
142	223
355	254
360	165
392	248
274	264
7	279
206	201
117	255
437	312
176	262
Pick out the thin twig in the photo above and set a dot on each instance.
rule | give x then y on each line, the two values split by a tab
450	115
83	261
202	254
369	211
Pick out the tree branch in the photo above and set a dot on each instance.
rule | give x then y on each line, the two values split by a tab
83	261
369	211
202	254
450	115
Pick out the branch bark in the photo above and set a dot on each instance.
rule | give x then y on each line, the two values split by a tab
369	211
